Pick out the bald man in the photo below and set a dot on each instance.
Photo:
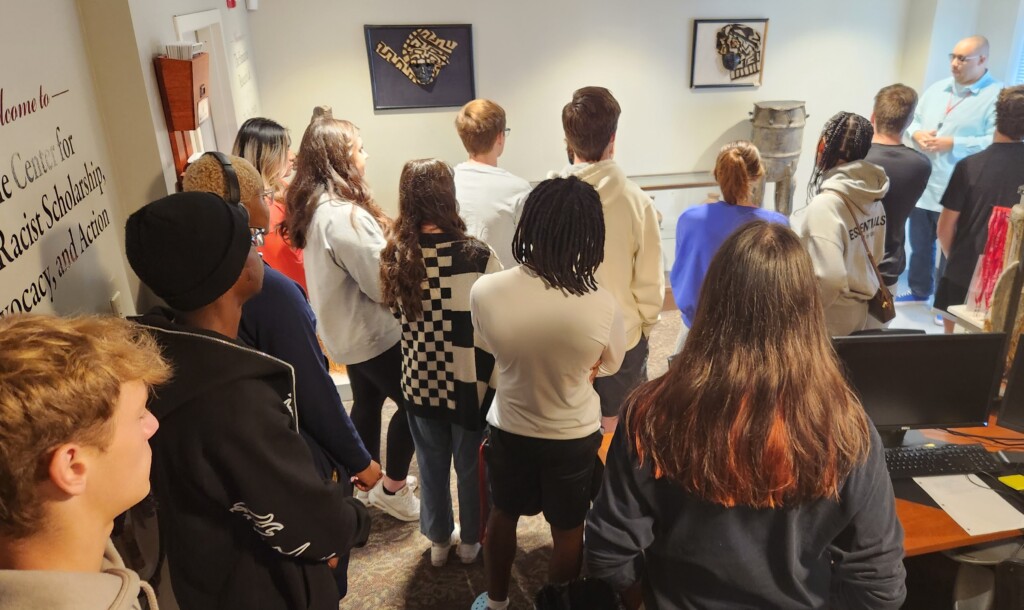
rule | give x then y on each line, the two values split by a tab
955	118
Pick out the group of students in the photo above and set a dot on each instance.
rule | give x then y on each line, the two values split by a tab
490	313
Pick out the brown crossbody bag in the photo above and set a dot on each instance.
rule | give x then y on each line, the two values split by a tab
880	306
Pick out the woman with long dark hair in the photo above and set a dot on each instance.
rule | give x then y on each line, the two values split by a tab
702	229
748	475
844	221
427	270
333	218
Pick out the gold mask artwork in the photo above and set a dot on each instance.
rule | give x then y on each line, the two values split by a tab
423	56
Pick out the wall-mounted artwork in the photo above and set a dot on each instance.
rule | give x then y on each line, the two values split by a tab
728	52
420	66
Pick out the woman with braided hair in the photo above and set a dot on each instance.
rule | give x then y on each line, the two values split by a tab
551	330
427	269
844	221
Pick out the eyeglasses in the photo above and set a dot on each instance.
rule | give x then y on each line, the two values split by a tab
507	130
962	59
256	236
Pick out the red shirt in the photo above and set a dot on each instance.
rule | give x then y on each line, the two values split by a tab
278	253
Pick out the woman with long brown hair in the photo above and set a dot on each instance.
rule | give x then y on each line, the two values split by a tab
333	218
748	475
427	270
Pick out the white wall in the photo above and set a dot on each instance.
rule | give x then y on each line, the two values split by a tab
999	20
153	24
34	275
530	56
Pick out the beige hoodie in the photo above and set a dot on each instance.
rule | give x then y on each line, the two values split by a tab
633	270
831	233
115	588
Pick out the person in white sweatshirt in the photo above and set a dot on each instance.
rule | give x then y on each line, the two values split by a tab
74	454
845	204
490	198
633	269
332	217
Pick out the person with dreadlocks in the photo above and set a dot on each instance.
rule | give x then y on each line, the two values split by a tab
427	270
844	215
332	217
551	330
748	476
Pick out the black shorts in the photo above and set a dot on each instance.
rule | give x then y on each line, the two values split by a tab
529	475
949	293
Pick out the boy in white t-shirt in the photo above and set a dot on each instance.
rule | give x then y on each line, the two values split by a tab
551	330
490	198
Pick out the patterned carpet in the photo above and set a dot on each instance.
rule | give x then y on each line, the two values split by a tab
393	570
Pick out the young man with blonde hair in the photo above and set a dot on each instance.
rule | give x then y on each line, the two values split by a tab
74	454
490	198
633	270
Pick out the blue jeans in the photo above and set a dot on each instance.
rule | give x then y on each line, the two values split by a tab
437	443
921	273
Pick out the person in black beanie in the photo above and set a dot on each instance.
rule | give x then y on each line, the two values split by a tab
244	519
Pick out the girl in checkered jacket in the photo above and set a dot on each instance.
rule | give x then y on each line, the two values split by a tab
427	270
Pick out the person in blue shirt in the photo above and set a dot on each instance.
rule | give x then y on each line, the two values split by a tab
702	229
955	118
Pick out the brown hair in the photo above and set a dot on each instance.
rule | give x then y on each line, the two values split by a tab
426	195
1010	112
479	124
894	107
754	411
60	380
324	165
590	121
737	168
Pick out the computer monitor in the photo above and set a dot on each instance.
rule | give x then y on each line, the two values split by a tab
1011	413
909	382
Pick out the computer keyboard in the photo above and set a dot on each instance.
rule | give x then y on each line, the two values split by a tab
906	462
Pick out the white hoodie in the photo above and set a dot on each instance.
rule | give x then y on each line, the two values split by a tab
831	235
633	270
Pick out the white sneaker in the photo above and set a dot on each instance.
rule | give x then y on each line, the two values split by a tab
468	552
412	482
403	505
439	552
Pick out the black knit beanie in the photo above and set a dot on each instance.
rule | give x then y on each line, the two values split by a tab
189	248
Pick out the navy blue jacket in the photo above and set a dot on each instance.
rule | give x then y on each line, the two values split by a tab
279	321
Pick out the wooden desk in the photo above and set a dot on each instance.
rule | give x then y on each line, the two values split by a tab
928	529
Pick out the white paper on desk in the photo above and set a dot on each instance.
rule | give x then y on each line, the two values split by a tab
972	504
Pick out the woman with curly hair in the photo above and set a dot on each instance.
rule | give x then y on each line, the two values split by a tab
427	270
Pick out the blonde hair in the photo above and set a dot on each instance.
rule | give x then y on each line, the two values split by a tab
737	168
265	143
60	380
206	175
479	124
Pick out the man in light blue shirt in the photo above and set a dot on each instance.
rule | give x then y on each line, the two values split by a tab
955	118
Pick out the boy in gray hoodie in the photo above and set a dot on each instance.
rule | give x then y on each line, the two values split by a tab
74	454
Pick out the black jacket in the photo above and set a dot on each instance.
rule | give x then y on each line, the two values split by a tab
244	518
692	554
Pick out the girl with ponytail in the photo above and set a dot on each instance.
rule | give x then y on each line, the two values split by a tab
702	229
